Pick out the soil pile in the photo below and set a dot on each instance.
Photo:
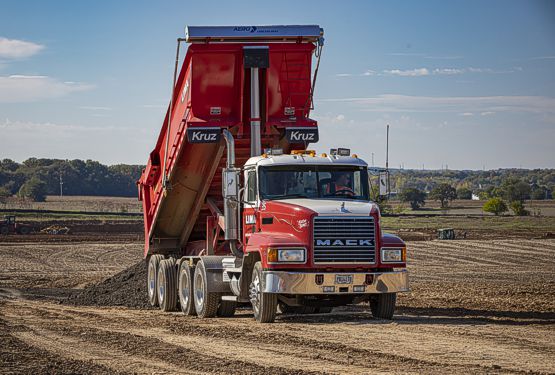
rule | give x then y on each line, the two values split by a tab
127	288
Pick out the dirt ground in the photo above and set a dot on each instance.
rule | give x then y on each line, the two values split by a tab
483	306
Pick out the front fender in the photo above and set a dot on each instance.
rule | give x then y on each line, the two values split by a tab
391	240
260	241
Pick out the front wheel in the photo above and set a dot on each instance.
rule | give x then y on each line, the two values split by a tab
264	305
383	305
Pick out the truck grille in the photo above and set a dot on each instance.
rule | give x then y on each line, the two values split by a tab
344	240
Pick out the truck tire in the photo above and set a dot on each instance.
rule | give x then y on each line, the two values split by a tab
4	231
167	285
383	305
24	230
264	305
206	303
227	308
152	276
185	289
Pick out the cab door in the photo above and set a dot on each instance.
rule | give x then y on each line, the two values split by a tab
250	203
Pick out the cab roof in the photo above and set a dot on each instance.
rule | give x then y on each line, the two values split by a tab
304	159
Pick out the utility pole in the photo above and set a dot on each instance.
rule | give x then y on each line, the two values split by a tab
61	185
372	159
387	160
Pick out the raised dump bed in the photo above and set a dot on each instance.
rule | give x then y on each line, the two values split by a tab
233	78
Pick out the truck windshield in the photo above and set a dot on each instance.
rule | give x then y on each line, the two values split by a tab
313	181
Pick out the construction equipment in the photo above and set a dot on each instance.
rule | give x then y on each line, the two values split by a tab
11	226
237	210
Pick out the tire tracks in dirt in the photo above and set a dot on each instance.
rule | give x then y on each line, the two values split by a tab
348	342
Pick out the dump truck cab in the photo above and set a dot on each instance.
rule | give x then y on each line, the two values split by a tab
310	221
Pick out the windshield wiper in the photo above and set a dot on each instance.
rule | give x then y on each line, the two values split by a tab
335	195
291	196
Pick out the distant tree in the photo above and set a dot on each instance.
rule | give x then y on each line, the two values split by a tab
464	193
8	165
539	193
515	190
495	206
35	189
4	194
444	193
415	197
518	208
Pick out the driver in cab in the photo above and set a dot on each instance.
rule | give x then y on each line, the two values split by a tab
341	185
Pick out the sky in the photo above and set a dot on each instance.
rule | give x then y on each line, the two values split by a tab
462	84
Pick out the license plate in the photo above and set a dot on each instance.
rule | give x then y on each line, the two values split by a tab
343	279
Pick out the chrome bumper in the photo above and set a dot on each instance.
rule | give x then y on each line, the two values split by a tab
305	283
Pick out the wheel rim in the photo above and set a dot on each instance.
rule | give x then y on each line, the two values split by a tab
161	288
254	293
199	289
151	280
184	287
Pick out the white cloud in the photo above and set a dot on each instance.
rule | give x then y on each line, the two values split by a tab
443	57
455	104
448	71
93	108
22	88
17	49
466	114
330	118
419	72
542	58
111	144
406	54
408	73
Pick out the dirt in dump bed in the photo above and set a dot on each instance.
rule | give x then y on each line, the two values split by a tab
127	288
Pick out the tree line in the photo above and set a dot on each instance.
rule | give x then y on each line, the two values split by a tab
36	178
511	193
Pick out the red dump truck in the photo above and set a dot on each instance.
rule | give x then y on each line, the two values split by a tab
237	210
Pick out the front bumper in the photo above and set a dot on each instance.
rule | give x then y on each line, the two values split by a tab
305	283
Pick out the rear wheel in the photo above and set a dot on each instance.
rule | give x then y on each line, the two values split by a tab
24	230
383	305
185	289
206	302
4	231
264	305
152	276
167	285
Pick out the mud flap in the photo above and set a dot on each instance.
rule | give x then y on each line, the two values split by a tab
214	273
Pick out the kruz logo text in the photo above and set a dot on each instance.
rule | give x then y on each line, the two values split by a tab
297	135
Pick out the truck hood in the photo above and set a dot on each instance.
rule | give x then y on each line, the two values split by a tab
334	207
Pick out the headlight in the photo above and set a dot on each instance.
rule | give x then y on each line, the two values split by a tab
394	255
286	255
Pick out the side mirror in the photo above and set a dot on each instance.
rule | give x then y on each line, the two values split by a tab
384	183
